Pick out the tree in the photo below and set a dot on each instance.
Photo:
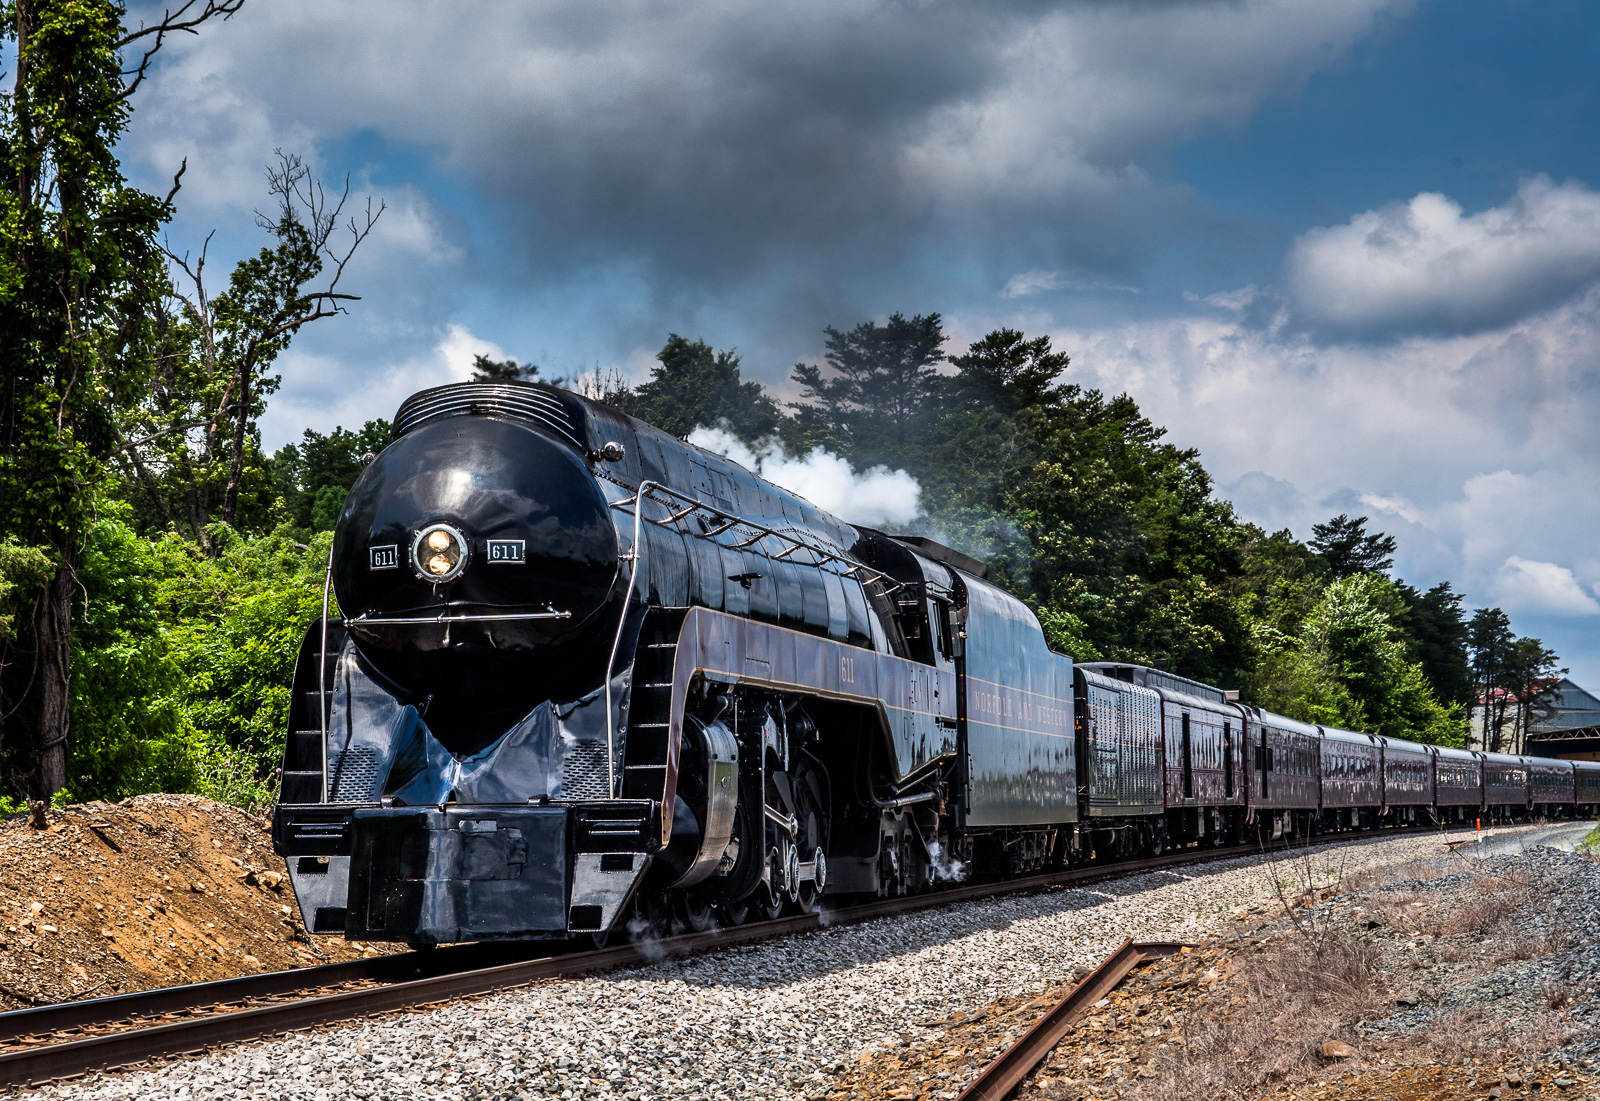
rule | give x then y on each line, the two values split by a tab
184	659
1528	682
1436	634
80	276
1489	643
1121	531
879	377
312	478
1347	549
1006	371
694	385
22	570
979	431
1349	668
193	449
485	369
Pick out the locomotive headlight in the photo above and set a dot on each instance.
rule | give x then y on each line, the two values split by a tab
439	553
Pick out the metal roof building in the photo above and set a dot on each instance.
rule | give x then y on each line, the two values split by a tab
1572	730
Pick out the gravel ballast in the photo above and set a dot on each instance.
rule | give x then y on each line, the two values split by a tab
767	1021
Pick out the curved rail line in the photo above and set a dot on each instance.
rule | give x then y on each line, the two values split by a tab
415	979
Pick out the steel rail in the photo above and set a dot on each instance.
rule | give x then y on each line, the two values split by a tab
163	1000
47	1061
996	1081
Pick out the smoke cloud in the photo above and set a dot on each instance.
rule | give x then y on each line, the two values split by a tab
874	497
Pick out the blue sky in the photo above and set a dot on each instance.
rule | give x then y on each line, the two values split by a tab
1350	250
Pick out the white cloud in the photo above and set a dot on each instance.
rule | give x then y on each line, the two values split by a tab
460	348
1542	587
1395	506
1424	266
873	497
408	230
1029	281
1230	300
1470	449
321	392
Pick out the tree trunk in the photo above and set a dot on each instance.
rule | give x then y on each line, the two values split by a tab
52	627
230	497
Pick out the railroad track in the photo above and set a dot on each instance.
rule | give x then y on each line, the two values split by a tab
996	1081
63	1041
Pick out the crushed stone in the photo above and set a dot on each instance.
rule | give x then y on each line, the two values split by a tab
784	1019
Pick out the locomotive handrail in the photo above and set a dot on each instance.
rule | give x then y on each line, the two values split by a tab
378	619
850	568
616	643
322	673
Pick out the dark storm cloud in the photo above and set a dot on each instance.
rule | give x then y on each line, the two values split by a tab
702	148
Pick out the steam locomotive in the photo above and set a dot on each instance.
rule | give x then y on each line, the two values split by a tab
584	671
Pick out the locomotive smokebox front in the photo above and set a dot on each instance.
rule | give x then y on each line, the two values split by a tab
473	562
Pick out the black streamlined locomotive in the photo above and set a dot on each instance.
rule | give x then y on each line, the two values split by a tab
584	669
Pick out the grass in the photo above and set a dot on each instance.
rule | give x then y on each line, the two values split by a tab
1326	973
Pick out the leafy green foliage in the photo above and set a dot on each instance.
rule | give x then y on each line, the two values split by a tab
1512	678
1436	634
313	477
1348	668
184	660
133	733
80	274
694	384
1344	545
193	450
879	377
238	619
22	570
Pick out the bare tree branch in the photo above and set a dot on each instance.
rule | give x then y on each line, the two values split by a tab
177	181
142	440
171	22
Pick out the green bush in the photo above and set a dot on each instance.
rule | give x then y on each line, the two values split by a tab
1348	668
183	662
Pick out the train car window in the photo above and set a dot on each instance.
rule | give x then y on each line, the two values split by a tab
941	631
1187	749
1227	760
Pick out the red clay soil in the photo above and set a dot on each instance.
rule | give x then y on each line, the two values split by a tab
154	891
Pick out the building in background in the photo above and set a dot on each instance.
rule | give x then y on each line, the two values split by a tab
1571	729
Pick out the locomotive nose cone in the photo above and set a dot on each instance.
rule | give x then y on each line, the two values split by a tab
474	560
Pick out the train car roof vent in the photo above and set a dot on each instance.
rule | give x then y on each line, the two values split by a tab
525	401
941	553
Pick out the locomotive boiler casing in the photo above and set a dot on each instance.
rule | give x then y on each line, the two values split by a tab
519	610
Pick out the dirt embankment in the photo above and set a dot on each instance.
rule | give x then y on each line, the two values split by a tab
154	891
